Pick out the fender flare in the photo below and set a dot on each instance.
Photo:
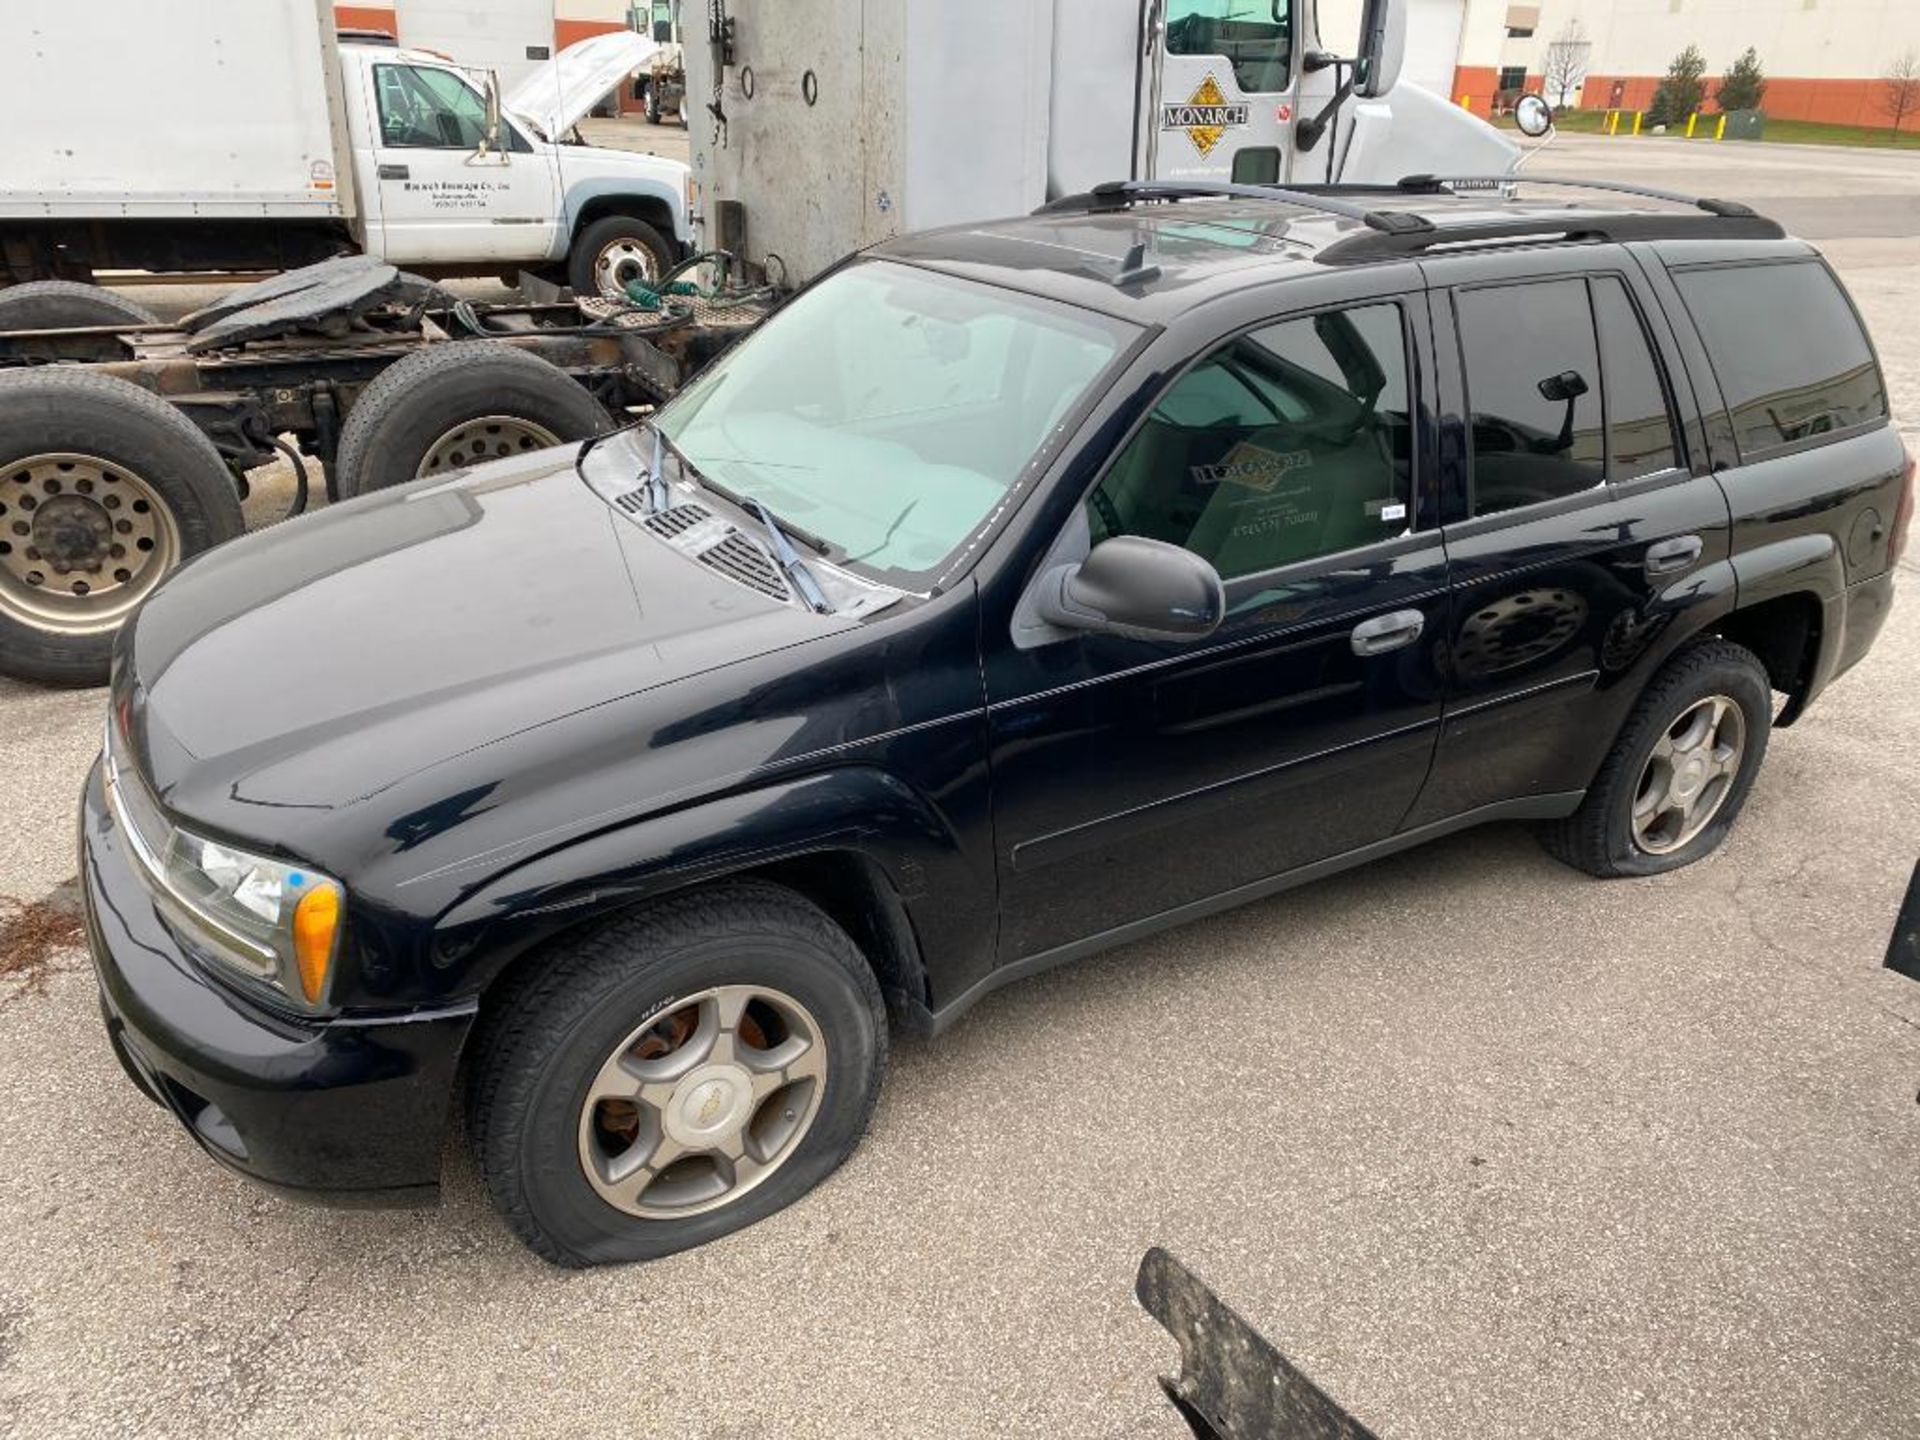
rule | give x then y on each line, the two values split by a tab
860	810
582	193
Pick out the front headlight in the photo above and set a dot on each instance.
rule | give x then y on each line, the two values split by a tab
283	918
274	923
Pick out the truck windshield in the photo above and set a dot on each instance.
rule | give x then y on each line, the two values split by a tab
1255	36
888	410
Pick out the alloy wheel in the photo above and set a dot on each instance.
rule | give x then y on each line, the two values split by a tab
1689	775
702	1102
620	261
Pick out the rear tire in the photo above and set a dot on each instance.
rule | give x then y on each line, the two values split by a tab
460	404
63	304
107	467
550	1038
1634	820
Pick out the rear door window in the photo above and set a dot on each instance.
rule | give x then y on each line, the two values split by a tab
1791	358
1639	422
1533	392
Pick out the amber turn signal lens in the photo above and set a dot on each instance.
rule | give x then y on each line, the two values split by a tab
315	919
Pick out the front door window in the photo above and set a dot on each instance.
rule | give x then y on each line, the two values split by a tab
1285	444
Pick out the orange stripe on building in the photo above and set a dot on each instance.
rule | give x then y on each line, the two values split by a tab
1829	102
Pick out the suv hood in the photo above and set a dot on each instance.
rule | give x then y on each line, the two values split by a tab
557	96
315	665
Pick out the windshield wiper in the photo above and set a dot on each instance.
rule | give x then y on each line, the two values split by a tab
791	562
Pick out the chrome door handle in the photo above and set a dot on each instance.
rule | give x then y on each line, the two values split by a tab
394	172
1388	632
1668	557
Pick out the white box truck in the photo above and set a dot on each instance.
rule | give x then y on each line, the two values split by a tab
246	136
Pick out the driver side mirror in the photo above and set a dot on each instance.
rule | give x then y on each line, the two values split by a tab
1137	588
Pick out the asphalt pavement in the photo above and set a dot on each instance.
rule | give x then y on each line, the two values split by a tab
1489	1148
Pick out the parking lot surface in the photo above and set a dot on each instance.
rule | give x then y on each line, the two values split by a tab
1488	1148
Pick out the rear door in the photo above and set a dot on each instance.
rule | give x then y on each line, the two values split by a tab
1583	537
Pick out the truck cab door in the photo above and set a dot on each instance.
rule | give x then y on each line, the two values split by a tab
1222	89
433	197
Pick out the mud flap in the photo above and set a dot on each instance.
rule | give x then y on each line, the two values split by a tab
1233	1385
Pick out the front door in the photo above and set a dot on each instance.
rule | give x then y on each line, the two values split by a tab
1133	778
1222	90
438	200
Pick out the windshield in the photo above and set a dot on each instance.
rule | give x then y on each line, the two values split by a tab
888	410
1254	35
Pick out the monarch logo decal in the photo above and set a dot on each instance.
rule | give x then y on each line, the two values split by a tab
1206	115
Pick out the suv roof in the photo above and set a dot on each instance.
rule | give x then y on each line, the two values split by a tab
1146	251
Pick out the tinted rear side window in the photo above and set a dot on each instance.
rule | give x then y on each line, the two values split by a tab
1790	357
1533	387
1639	425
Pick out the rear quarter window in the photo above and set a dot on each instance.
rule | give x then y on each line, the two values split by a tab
1791	358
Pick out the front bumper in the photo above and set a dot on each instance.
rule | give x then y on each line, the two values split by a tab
347	1111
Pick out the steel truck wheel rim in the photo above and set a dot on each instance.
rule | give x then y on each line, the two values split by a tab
82	542
474	442
620	261
703	1102
1687	778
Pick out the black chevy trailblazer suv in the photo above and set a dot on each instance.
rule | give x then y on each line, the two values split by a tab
1015	591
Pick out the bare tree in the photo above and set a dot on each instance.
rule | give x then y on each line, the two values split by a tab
1900	89
1565	67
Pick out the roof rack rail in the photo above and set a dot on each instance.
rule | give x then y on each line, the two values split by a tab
1114	195
1721	220
1443	184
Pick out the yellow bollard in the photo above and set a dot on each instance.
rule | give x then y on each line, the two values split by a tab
1690	120
1466	102
1611	125
1637	116
1720	130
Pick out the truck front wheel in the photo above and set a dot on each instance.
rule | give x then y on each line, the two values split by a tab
451	406
686	1070
104	490
613	250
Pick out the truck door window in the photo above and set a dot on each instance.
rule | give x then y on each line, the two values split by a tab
1639	422
428	108
1254	36
1788	352
1282	445
1533	392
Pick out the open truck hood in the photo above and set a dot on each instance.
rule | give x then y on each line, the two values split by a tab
557	96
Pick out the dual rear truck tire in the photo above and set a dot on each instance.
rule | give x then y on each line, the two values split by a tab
58	422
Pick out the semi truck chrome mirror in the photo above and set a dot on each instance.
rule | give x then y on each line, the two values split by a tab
1137	588
1532	116
1383	46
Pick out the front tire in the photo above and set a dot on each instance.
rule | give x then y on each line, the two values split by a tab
1680	771
678	1074
614	250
